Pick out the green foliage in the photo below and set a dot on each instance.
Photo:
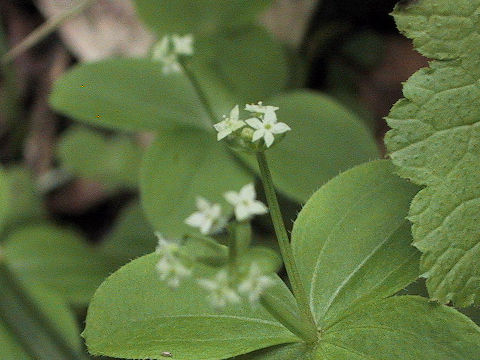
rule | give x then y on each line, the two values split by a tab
179	166
149	318
435	142
360	213
202	17
3	197
141	98
118	165
58	259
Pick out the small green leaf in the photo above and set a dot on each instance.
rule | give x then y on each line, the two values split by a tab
179	166
134	315
352	241
57	258
118	167
128	94
132	236
325	139
435	141
200	17
401	328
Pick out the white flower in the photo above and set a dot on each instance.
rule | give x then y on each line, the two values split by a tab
221	293
183	45
167	51
208	218
230	124
245	203
267	127
260	108
255	284
169	267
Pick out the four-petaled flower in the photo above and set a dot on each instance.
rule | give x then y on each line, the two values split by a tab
168	50
255	284
220	292
169	266
259	108
230	124
267	127
208	218
245	202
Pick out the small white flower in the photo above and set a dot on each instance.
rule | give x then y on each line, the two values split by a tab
260	108
255	284
183	45
208	218
169	267
267	127
230	124
221	293
245	203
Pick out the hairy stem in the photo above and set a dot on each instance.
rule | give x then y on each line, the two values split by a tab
44	30
284	243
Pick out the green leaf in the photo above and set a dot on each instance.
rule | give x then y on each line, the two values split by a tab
352	241
401	328
179	166
128	94
201	17
134	315
325	139
435	141
118	167
4	193
132	236
57	258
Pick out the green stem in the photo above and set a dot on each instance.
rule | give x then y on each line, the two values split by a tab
44	30
284	243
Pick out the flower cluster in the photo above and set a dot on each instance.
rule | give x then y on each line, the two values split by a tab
169	50
263	125
223	291
209	218
169	266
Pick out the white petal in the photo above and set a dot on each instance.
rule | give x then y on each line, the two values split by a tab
248	192
197	219
206	226
269	138
235	113
280	128
241	212
202	204
232	197
258	134
222	125
254	123
223	134
215	211
258	208
270	117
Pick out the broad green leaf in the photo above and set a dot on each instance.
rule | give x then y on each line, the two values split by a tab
4	193
134	315
58	259
118	165
295	351
179	166
325	139
401	328
352	241
128	94
200	17
131	236
435	141
35	322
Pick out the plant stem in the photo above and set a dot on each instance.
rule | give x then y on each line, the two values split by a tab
232	253
284	243
44	30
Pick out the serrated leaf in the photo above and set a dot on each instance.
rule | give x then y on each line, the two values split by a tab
201	17
134	315
435	141
354	229
128	94
325	139
118	167
179	166
57	258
